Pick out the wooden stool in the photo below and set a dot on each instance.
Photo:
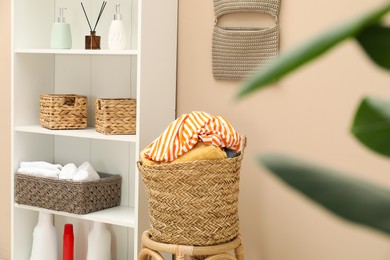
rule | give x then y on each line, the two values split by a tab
150	249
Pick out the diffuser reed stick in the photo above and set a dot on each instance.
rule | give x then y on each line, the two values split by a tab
86	16
98	18
100	14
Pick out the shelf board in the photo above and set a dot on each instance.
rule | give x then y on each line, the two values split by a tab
121	215
89	132
77	52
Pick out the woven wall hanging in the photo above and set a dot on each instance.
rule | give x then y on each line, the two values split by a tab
239	51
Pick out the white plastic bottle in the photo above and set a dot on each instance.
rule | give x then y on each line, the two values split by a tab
44	245
99	242
61	37
117	32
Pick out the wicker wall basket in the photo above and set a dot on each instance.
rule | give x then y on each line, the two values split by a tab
238	52
68	196
65	111
115	115
193	203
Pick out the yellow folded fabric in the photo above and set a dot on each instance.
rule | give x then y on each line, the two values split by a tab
200	151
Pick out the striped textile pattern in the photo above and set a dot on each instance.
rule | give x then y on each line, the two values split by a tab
187	130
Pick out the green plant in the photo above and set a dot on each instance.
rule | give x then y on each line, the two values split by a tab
351	198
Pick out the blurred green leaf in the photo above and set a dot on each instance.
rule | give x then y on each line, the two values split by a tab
348	197
288	62
371	124
375	40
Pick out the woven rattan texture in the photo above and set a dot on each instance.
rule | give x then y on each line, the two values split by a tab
193	203
115	116
223	7
68	196
63	111
236	54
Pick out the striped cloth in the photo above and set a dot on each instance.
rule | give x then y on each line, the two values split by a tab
185	132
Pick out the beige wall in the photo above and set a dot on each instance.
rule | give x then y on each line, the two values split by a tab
5	115
307	115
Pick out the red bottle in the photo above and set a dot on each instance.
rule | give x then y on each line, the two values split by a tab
68	243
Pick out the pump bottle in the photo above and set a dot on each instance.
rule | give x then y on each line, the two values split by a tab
61	37
117	33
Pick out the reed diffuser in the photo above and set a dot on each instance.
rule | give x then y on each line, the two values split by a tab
92	41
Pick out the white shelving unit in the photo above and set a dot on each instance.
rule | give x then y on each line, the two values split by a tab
78	52
145	70
89	132
121	215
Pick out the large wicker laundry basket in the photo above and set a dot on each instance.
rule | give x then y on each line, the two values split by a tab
194	203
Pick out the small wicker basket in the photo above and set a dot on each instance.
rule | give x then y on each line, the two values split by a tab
68	196
115	115
63	111
194	203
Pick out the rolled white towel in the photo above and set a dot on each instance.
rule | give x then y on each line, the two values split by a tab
68	171
40	172
41	165
83	176
86	173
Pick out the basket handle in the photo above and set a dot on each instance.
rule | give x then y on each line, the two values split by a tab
69	101
243	144
139	164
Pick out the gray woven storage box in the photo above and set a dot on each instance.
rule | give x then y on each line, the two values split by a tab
68	196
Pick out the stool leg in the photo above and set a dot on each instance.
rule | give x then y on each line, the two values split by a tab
180	257
239	252
224	256
147	254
